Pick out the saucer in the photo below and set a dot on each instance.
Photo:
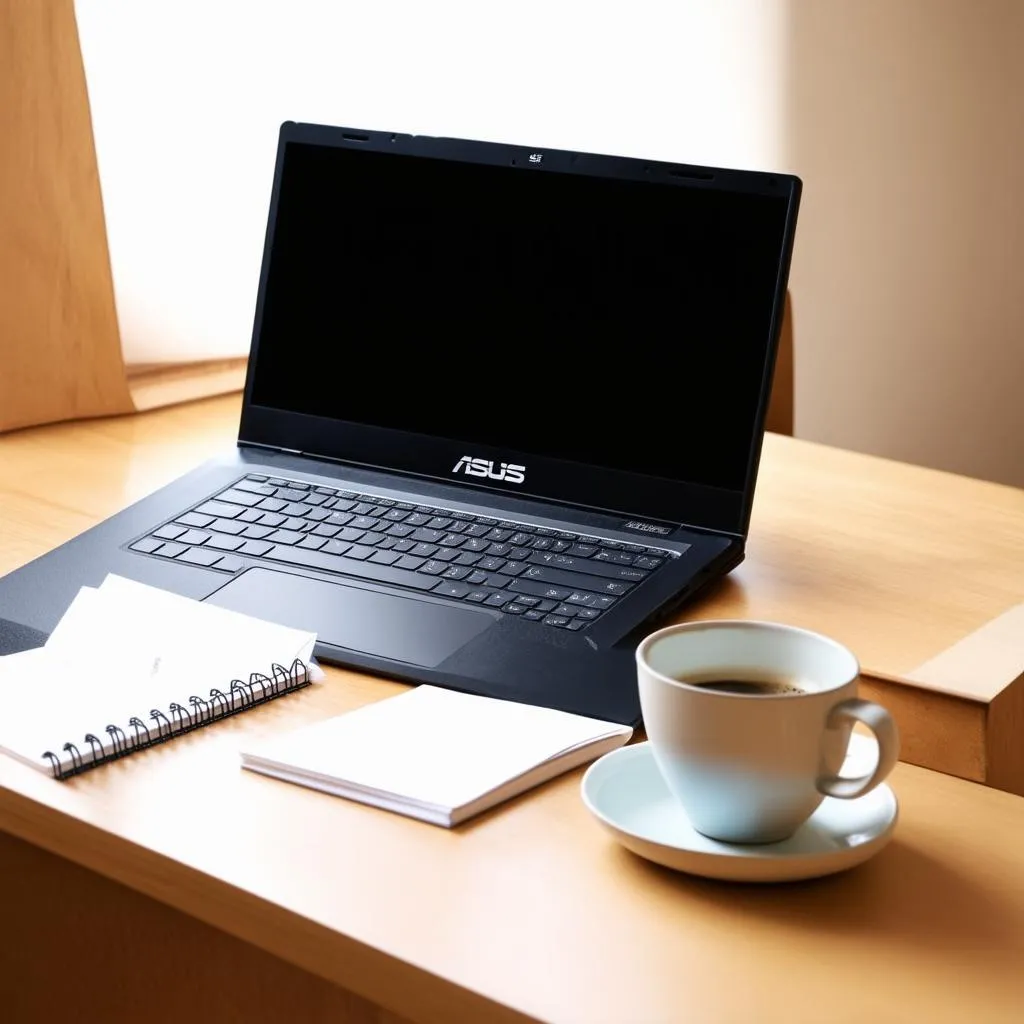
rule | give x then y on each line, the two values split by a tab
625	791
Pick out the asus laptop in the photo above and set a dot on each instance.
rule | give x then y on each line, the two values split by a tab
503	414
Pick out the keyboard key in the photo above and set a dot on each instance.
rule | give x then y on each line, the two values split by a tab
475	544
358	551
583	550
574	624
384	557
257	548
450	589
147	545
337	547
253	487
195	519
423	550
169	532
615	557
291	493
346	533
222	543
193	537
221	510
312	543
433	567
232	526
257	532
532	613
556	620
515	609
478	596
476	577
314	499
456	572
647	562
228	564
272	504
295	508
284	537
587	613
326	530
253	515
170	549
200	556
408	562
237	497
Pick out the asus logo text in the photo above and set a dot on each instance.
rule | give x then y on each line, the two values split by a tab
509	472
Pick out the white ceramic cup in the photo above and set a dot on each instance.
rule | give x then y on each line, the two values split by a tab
752	768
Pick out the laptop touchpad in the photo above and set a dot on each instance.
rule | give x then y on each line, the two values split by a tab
390	626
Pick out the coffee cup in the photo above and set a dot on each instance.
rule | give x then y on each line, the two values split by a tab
749	724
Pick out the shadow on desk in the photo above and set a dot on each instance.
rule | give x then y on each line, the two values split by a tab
903	894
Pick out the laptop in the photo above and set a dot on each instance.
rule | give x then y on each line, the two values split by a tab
502	417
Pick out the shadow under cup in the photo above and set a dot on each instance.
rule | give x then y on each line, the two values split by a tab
751	767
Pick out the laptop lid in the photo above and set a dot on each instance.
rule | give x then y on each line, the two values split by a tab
581	328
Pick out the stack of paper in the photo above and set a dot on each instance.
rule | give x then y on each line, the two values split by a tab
123	666
436	754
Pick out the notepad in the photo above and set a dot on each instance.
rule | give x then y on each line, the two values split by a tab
130	665
436	754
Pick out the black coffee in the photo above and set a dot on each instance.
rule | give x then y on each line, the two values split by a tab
748	687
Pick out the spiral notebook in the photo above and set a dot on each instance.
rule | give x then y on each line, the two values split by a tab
130	666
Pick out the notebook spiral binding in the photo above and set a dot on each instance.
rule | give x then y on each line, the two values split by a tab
164	726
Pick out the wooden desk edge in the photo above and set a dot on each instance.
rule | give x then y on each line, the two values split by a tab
374	974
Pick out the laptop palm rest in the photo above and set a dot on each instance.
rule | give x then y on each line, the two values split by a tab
386	625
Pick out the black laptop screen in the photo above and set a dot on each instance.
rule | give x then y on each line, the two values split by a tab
614	322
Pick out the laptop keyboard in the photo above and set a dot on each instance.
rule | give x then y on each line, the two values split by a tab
554	577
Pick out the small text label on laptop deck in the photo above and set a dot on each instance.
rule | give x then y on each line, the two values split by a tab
509	472
647	527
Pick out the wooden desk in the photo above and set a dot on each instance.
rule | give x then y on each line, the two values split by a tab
176	882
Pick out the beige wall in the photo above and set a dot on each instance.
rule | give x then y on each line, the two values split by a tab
905	119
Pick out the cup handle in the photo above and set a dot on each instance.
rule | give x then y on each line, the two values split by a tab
882	724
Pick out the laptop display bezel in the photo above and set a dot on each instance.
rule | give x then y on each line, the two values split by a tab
633	495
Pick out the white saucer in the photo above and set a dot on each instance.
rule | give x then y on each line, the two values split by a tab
625	792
